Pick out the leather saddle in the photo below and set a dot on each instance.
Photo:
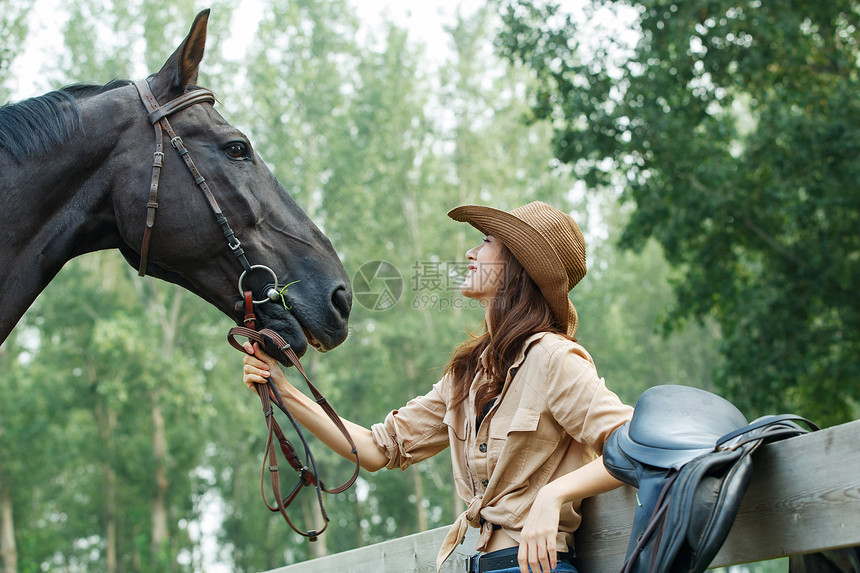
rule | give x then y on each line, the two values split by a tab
688	451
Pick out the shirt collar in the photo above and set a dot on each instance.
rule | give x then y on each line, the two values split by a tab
521	355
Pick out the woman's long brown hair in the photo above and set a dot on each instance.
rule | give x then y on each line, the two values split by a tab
518	311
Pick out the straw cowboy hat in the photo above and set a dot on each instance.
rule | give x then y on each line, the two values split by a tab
546	242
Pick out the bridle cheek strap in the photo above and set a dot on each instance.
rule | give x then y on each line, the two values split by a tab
158	117
157	161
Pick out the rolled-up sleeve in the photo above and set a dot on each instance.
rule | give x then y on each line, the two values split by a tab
414	432
580	400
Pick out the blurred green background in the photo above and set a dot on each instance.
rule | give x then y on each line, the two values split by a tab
707	150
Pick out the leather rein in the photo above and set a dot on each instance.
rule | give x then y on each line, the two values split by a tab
307	470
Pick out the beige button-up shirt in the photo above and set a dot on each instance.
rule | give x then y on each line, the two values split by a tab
552	417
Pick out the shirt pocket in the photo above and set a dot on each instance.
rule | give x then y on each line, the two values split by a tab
511	438
523	420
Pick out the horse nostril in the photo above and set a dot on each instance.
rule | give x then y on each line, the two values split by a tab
342	301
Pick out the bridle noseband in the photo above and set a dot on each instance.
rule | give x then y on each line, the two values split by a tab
308	475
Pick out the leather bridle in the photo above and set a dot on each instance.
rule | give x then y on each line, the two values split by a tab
158	118
307	470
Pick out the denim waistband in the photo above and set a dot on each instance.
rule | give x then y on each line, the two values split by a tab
501	559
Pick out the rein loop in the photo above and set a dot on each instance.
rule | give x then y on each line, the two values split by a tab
308	474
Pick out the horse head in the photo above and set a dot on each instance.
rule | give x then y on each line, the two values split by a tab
299	286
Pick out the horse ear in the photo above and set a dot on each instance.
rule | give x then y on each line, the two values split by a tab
182	66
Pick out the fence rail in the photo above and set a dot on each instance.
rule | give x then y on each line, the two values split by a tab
804	497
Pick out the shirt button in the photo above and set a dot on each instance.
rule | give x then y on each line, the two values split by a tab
483	448
485	482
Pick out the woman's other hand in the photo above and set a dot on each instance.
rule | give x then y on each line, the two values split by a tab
540	530
538	538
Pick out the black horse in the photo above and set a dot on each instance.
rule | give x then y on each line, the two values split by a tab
81	172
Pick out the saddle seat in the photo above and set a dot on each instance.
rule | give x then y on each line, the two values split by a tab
675	424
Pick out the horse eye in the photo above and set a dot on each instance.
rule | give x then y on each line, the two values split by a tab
236	150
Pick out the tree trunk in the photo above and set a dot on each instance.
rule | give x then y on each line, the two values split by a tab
313	518
360	534
420	510
111	565
417	482
106	419
159	503
7	534
169	318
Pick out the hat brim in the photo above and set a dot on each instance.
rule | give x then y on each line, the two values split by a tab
532	250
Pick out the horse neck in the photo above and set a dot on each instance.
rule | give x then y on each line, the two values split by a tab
56	207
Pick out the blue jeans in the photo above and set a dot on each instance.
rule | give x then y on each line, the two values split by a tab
563	566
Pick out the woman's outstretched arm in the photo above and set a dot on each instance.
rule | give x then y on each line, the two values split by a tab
260	367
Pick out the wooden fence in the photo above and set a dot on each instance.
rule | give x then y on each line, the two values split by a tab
804	497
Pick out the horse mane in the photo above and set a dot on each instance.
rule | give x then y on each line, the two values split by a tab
35	125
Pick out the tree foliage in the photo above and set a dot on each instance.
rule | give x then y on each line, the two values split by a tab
13	31
126	385
735	126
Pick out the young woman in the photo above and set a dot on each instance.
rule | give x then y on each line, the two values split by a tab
521	406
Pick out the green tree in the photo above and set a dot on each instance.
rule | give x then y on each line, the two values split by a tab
132	374
13	31
735	126
27	437
623	303
150	427
297	97
107	341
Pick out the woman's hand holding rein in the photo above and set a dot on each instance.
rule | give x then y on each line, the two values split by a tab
259	368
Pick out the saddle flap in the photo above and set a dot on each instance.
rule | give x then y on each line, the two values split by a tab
704	503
